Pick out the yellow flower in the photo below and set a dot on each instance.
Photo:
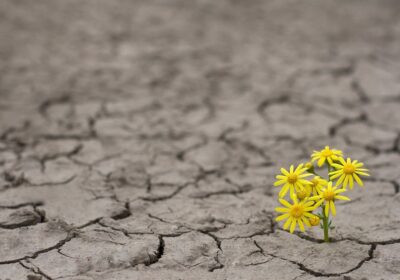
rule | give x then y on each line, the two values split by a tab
328	196
348	172
314	188
292	179
316	185
303	193
326	154
296	213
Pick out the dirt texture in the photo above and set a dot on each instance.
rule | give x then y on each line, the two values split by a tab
140	139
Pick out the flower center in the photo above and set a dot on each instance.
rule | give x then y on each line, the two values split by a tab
329	195
349	168
292	178
297	211
327	153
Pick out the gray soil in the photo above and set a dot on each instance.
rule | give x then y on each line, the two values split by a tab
140	139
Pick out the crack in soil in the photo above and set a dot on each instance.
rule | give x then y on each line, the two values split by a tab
34	255
317	273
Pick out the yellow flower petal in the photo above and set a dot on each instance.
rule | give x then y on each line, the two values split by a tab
309	208
327	209
282	217
318	204
301	225
278	183
362	173
282	210
340	191
284	190
333	208
363	169
351	182
304	182
285	203
284	172
294	198
308	203
298	168
308	215
292	194
346	180
335	172
358	180
287	223
304	170
306	221
340	180
341	197
337	166
293	226
334	176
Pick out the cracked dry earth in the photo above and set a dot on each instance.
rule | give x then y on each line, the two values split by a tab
139	139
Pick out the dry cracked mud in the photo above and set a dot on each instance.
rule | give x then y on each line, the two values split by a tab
139	139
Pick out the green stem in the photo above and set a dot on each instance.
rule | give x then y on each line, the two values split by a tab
325	221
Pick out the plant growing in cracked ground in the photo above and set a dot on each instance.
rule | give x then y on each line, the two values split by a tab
313	200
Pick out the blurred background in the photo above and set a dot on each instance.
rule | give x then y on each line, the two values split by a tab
224	61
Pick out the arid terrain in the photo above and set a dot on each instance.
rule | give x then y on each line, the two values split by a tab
141	139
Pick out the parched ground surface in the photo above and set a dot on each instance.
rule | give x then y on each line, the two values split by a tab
140	139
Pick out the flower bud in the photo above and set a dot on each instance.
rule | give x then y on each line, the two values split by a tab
309	166
314	221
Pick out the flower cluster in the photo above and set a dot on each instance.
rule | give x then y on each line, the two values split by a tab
309	191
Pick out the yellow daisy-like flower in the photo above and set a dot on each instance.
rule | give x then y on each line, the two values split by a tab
297	213
292	179
312	189
348	171
317	183
303	193
326	154
328	196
